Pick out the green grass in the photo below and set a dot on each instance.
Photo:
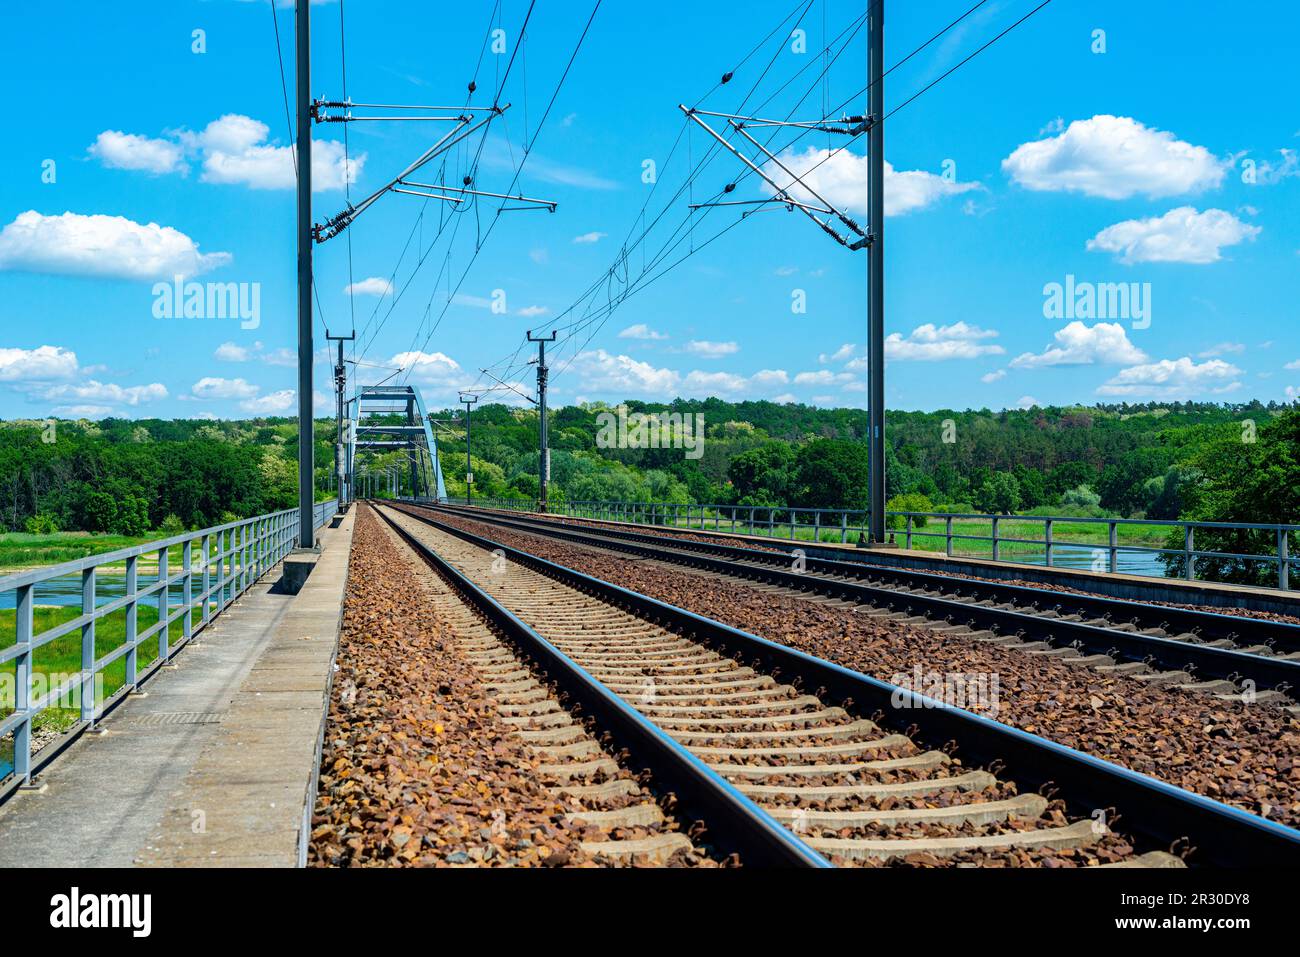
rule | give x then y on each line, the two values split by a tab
1088	534
62	657
19	550
932	538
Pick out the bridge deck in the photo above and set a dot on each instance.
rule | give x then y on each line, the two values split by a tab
216	763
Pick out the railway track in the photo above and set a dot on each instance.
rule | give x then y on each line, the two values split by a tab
1231	657
626	824
845	785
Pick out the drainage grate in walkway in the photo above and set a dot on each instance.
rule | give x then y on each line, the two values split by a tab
155	718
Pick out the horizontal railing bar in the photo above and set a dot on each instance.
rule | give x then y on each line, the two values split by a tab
257	545
37	575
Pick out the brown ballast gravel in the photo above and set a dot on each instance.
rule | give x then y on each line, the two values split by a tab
1247	756
418	768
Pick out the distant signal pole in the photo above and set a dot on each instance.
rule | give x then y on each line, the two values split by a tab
340	387
468	401
543	373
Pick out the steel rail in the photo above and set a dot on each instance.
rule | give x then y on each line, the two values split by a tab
736	824
1213	624
1161	813
1176	654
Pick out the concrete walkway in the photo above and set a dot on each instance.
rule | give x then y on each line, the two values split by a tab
216	764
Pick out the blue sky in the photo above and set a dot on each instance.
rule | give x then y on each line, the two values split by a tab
1166	161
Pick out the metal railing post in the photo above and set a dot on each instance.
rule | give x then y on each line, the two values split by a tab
1047	540
243	556
1189	556
132	621
23	682
219	558
88	646
164	651
997	544
1283	560
187	593
1114	547
844	528
948	534
908	532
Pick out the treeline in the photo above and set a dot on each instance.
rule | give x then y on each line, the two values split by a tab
1199	461
1124	460
131	477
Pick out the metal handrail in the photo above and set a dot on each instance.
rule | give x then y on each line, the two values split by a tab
244	551
847	524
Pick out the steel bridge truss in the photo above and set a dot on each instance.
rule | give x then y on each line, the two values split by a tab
374	429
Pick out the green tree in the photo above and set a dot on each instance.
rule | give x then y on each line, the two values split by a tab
1241	482
999	493
132	516
832	473
98	511
911	502
764	473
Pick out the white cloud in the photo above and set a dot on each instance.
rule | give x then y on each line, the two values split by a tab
842	354
530	312
211	387
930	343
233	352
641	331
1222	349
1114	157
281	401
841	178
231	149
1181	235
991	377
712	350
39	364
1292	366
588	238
429	368
1174	379
823	377
1268	173
82	411
93	391
110	246
282	357
229	352
1078	344
374	286
714	383
768	378
118	150
38	371
622	375
619	376
1027	402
